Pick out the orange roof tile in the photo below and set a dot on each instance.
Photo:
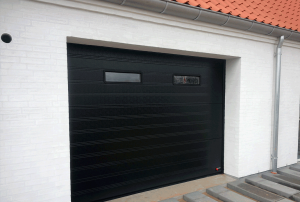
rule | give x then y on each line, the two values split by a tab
282	13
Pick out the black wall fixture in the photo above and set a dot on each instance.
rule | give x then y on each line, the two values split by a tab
6	38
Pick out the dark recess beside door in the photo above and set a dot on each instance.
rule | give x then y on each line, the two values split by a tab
141	120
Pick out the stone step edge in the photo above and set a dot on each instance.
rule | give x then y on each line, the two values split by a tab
285	182
253	192
226	195
197	196
273	187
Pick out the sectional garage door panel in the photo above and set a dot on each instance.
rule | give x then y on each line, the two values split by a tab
133	136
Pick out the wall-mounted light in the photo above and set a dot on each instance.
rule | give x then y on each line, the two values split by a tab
6	38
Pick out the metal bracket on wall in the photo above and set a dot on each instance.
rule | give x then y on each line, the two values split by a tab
123	2
273	157
276	54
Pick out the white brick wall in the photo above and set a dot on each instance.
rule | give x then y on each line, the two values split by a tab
34	137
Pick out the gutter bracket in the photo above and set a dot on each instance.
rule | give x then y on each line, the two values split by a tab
290	35
165	8
226	21
271	31
250	26
200	11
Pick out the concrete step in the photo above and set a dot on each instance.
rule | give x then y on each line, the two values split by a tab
273	187
197	197
285	200
170	200
282	179
226	195
295	167
254	192
288	172
296	197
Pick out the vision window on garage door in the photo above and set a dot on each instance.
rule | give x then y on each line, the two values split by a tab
122	77
141	120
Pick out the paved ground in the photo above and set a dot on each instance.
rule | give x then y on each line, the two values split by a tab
265	187
177	190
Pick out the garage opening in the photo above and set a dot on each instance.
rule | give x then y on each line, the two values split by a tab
142	120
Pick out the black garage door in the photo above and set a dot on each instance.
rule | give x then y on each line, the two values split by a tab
141	120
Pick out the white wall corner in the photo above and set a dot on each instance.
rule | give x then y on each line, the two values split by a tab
232	116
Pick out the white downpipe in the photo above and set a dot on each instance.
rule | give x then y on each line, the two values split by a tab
276	105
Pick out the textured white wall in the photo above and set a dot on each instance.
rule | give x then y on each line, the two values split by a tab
34	137
232	116
289	107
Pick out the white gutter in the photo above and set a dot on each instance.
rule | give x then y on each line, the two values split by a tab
199	14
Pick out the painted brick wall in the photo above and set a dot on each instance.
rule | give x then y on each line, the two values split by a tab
34	137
